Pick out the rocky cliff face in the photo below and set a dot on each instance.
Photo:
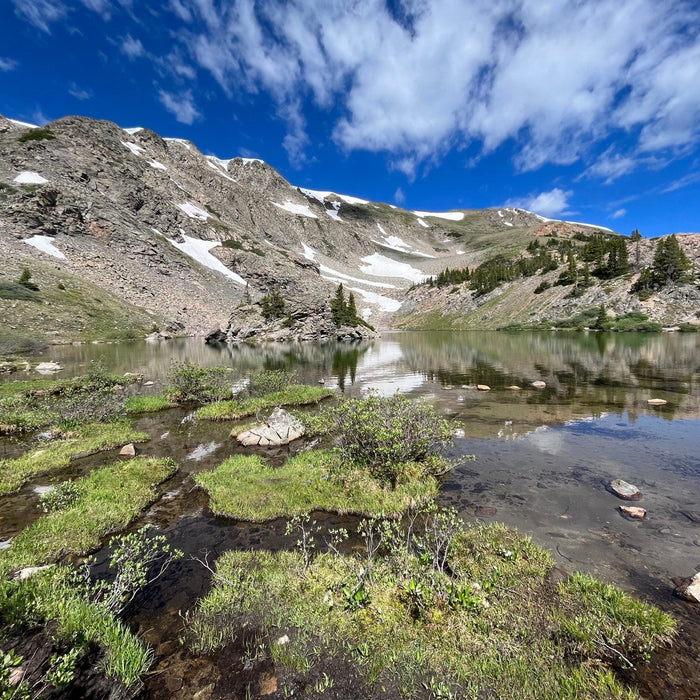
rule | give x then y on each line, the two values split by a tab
126	226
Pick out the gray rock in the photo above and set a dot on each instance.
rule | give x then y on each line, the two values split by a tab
624	490
280	428
691	589
48	367
128	450
539	384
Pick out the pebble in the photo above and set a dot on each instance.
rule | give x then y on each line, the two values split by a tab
539	384
634	512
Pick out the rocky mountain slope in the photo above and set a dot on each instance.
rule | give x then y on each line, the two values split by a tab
124	232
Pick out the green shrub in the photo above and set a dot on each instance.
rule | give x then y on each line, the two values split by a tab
40	134
390	437
199	384
270	381
273	305
17	292
19	342
542	286
689	328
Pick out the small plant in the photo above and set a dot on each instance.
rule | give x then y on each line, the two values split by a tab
138	559
62	668
60	497
356	597
306	527
270	381
199	384
25	280
39	134
542	287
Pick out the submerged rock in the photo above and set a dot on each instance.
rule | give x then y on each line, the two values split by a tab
279	429
539	384
657	402
634	512
514	387
48	367
624	490
483	387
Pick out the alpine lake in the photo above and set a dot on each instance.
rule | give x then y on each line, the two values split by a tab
544	459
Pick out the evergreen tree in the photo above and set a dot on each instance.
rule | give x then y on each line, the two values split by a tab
351	310
273	305
670	262
338	306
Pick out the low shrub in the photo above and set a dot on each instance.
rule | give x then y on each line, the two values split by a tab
39	134
270	381
199	384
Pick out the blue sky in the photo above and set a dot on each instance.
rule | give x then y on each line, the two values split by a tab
579	110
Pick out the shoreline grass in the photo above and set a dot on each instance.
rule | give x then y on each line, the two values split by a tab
150	404
85	440
293	395
247	488
106	500
494	627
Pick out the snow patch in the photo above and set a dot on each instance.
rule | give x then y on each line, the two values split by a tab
182	142
27	177
133	130
25	125
155	164
507	223
299	209
309	253
381	266
250	160
384	303
133	147
333	213
193	211
321	195
399	245
198	250
218	164
423	223
45	245
328	273
449	215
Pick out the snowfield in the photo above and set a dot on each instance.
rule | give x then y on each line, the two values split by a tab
321	195
194	212
133	147
198	250
28	177
45	245
381	266
449	215
299	209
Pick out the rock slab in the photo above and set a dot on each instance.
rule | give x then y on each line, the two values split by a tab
279	429
634	512
691	590
624	490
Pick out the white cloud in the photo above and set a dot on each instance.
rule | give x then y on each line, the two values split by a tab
618	214
40	13
182	105
681	182
554	78
552	203
132	48
79	93
8	64
399	196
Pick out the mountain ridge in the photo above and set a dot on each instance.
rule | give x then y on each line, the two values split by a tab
182	239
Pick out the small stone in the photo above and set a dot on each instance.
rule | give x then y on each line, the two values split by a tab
268	684
284	639
634	512
483	387
148	383
657	402
485	511
128	450
626	491
514	387
539	384
447	387
691	590
321	381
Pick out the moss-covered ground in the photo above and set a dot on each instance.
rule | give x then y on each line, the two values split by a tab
484	622
247	488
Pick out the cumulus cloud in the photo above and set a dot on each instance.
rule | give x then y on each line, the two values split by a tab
554	78
181	106
552	203
8	64
618	214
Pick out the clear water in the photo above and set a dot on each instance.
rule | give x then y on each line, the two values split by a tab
543	456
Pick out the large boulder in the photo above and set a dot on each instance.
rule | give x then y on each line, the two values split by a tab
279	429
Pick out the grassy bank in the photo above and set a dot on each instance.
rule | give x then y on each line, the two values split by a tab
102	502
294	395
484	620
82	441
246	488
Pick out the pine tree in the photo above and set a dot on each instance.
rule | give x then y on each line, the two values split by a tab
670	262
338	306
351	310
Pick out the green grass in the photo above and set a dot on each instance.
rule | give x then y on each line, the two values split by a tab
107	500
149	404
294	395
502	636
83	441
50	597
246	488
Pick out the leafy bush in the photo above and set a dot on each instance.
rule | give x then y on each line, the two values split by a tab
542	286
689	328
17	292
41	134
273	305
391	437
270	381
61	496
200	384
